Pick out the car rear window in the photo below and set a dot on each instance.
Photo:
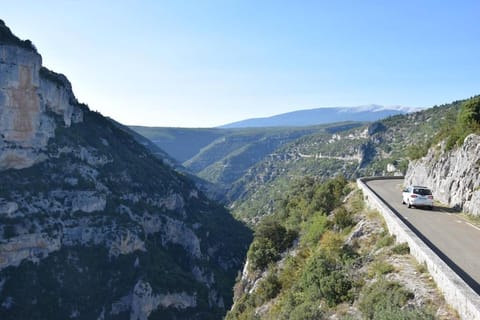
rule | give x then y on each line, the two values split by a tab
422	192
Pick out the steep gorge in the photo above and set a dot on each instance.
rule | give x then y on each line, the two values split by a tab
92	224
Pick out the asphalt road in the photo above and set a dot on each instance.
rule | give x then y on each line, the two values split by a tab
453	238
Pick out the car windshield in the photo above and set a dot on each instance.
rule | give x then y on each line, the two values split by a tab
422	192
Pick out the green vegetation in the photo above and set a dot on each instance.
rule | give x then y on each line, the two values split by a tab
271	238
7	37
320	274
59	79
386	240
88	277
309	276
385	299
269	288
364	151
401	248
467	122
380	268
228	157
457	122
255	166
417	151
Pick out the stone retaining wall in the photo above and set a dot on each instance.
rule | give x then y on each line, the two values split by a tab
457	293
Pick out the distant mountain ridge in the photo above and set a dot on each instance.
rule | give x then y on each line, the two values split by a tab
310	117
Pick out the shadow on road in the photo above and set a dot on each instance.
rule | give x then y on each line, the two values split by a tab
438	209
447	209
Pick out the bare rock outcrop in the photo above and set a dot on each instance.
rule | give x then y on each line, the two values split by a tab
30	246
144	301
86	208
29	95
454	176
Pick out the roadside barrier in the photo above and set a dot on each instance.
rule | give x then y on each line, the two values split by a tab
456	291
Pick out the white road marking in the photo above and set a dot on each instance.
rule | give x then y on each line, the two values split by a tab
473	225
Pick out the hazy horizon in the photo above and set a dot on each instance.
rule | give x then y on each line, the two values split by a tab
209	63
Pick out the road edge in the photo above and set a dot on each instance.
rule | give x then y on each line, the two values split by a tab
456	291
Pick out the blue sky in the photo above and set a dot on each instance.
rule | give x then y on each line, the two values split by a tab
206	63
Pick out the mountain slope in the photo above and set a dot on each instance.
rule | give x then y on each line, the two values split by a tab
181	143
451	165
322	255
92	224
230	153
321	116
381	148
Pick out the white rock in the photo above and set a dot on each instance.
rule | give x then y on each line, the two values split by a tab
25	100
144	301
29	246
454	176
8	208
175	231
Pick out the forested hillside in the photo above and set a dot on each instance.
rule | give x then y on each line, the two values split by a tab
95	223
253	166
381	148
321	255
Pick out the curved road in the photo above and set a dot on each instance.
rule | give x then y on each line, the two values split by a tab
453	238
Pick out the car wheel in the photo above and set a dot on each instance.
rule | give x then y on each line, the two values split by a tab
431	207
409	205
403	201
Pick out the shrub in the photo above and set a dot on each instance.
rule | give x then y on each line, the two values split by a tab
271	229
400	314
307	311
403	166
269	288
271	238
335	288
401	248
315	228
422	268
329	195
244	309
469	116
342	218
317	267
467	122
385	241
380	268
357	203
417	151
382	297
331	243
322	279
261	253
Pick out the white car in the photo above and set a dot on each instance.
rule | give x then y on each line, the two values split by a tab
417	196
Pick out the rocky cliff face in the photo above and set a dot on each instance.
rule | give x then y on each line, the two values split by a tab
29	95
92	224
454	176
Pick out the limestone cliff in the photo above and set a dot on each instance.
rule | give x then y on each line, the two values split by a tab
92	224
454	176
29	95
